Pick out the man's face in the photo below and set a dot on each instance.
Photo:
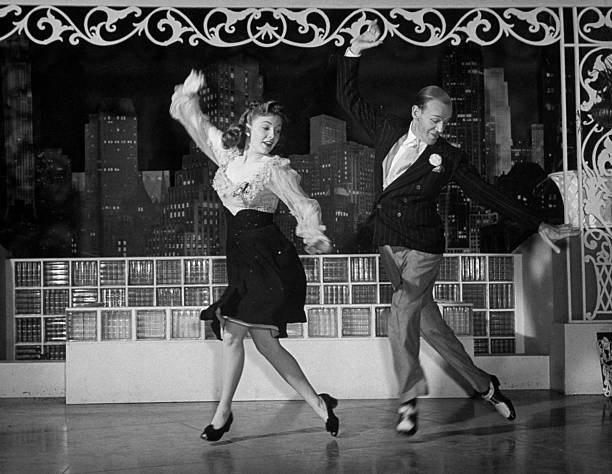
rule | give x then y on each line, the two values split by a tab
430	120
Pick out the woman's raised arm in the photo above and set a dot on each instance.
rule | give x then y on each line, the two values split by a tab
185	107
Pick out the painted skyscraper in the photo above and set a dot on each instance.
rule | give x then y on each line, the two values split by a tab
115	206
17	164
230	87
345	186
498	120
156	184
325	129
346	169
54	202
338	174
462	76
537	144
192	219
549	95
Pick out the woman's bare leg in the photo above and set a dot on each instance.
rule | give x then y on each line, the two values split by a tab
233	363
288	368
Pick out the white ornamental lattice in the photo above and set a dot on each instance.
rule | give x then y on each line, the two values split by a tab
268	27
596	81
594	25
605	358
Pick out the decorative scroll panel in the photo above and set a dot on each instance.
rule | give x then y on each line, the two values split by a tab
595	32
594	25
268	27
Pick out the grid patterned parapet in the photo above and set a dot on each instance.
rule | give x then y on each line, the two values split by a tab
159	298
165	323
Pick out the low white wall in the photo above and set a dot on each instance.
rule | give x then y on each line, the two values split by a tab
576	367
518	372
167	371
163	371
32	379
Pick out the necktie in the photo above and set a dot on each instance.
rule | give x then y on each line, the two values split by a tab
405	156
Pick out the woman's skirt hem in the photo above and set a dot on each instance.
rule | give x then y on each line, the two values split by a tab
272	328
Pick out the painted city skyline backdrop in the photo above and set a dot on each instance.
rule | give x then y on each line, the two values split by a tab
98	118
69	81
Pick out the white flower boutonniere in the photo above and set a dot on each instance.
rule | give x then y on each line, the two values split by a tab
435	160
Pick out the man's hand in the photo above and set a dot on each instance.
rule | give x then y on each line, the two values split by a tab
368	39
552	233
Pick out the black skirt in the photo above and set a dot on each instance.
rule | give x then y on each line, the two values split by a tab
266	279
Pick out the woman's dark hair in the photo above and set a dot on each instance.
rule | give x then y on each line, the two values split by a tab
235	135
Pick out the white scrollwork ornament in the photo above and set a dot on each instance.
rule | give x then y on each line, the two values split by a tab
597	80
597	187
606	372
596	165
268	27
595	25
600	243
605	358
597	179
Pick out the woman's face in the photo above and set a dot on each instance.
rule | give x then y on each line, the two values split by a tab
265	132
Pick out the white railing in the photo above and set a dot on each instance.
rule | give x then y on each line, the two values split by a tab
140	298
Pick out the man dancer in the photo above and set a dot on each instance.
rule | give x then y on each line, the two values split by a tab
413	163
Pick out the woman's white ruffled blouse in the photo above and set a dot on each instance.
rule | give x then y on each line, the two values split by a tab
257	185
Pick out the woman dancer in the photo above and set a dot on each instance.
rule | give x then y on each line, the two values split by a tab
266	280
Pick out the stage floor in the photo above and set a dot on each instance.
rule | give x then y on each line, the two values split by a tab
552	433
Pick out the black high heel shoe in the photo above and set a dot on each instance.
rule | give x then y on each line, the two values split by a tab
212	434
333	423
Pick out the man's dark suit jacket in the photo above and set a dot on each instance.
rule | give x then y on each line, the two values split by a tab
405	213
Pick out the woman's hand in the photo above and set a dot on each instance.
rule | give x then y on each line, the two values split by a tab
320	245
194	82
368	39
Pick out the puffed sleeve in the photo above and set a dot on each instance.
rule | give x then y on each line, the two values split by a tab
284	181
185	108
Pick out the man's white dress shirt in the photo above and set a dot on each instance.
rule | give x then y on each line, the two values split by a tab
401	156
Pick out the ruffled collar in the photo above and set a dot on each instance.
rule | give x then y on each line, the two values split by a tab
248	189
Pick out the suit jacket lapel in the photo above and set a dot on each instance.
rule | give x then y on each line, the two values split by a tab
393	150
392	134
420	167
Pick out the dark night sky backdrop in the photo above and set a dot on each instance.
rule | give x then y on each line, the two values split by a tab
69	80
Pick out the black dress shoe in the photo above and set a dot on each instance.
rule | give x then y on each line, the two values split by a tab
333	423
502	404
210	433
407	423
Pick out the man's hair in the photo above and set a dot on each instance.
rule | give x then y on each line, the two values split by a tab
429	93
